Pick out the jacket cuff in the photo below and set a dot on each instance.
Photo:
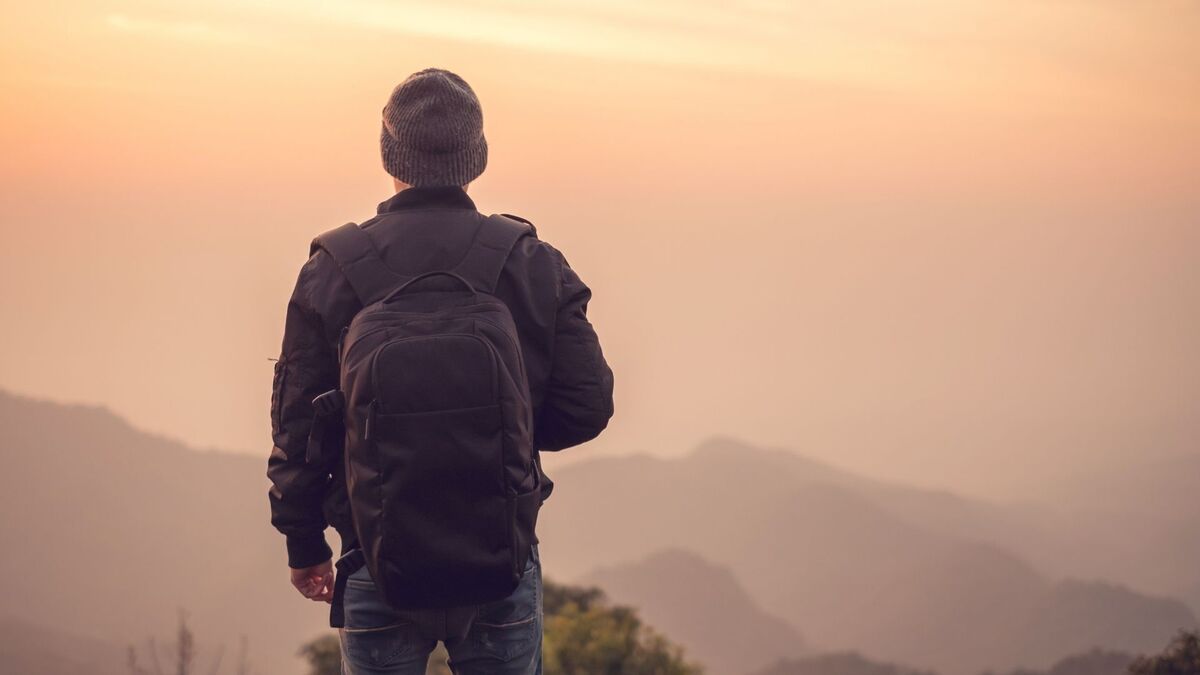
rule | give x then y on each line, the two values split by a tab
308	550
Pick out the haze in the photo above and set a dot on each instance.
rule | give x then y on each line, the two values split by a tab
951	243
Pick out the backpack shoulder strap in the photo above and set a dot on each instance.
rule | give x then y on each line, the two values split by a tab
361	264
493	243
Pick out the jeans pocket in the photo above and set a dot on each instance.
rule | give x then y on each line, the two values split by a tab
375	634
381	647
510	626
502	642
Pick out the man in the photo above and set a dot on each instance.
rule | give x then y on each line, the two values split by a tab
433	146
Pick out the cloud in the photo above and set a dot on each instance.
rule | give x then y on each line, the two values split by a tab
759	36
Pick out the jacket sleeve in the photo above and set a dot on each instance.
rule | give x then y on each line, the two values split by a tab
579	392
306	367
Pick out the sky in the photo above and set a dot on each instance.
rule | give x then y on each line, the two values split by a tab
954	243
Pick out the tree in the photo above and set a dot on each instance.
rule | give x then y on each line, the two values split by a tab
1182	657
585	636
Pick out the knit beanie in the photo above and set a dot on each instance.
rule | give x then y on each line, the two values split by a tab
433	131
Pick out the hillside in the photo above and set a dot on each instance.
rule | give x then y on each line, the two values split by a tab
1095	662
845	559
703	608
26	649
125	529
1153	503
842	663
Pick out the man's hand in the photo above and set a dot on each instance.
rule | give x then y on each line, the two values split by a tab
316	582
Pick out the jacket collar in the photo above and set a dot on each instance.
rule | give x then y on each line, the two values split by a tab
452	197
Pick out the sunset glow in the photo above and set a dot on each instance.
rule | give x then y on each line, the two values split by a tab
962	219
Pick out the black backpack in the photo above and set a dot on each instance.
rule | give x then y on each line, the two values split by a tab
442	476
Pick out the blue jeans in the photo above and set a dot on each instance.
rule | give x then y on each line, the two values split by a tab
504	639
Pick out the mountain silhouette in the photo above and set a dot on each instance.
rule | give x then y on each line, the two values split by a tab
26	649
703	608
841	663
110	531
851	562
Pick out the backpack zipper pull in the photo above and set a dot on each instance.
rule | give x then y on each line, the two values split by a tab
341	344
370	418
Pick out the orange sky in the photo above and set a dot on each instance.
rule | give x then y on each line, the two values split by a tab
921	239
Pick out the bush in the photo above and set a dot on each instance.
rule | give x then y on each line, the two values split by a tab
1182	657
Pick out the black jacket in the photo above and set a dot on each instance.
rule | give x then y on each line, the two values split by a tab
417	230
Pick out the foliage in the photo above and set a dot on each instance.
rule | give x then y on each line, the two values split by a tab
584	636
1182	657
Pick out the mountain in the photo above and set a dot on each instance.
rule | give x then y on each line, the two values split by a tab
842	663
891	572
703	608
111	531
1132	521
1069	532
1095	662
1153	503
26	649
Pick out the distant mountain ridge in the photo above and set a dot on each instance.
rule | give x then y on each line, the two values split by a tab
124	528
703	608
850	562
26	649
842	663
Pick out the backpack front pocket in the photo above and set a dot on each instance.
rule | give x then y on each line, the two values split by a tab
445	521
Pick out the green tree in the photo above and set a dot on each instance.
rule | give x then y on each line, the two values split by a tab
1182	657
585	636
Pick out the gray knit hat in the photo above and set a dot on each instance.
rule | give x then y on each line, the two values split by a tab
433	131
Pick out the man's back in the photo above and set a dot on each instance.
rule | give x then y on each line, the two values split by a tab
419	230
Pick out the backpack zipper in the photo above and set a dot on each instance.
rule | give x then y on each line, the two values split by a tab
370	418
